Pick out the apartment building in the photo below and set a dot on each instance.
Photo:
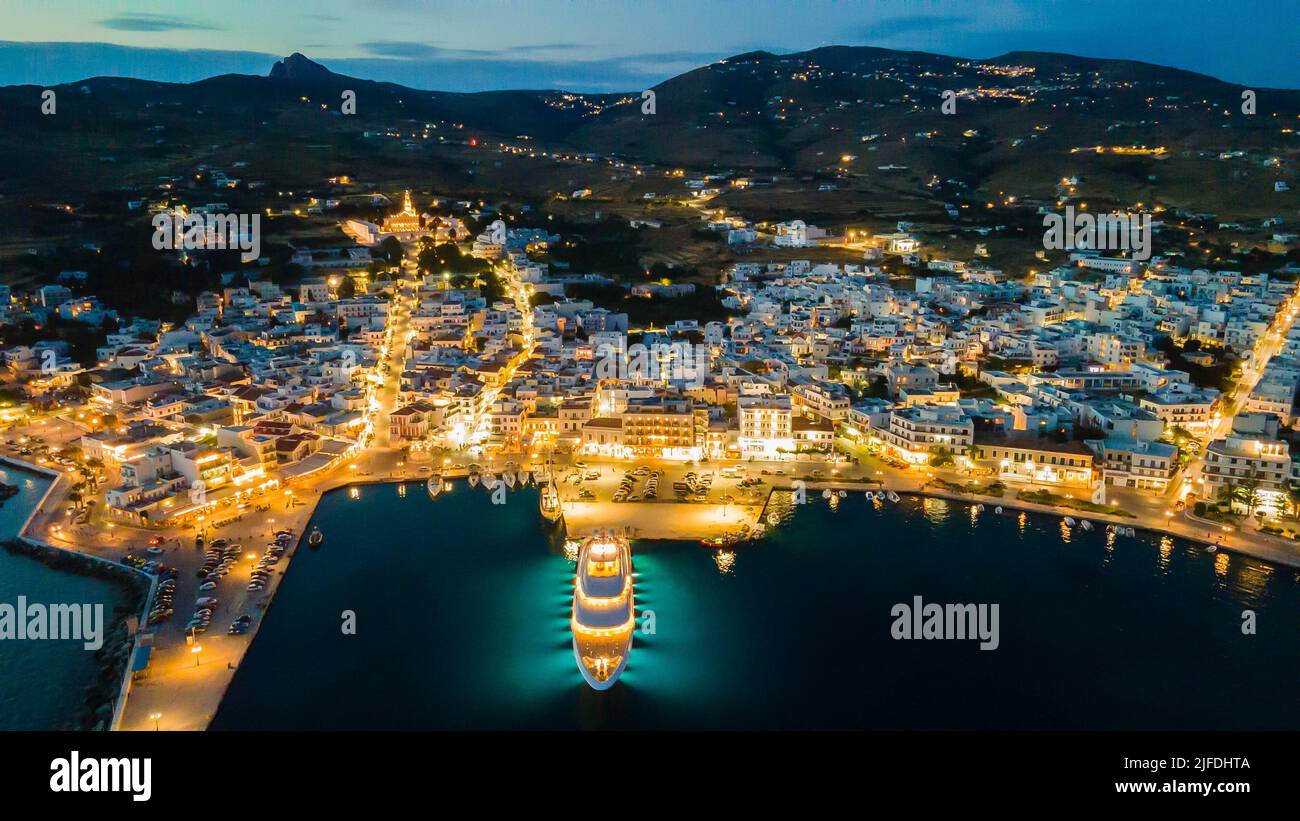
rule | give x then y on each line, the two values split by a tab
1237	459
765	426
917	432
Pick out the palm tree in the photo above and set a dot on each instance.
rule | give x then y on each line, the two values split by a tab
1245	493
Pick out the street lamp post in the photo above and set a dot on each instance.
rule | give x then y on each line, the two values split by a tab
155	717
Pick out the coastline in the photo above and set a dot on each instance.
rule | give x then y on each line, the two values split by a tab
139	586
1188	532
105	696
206	691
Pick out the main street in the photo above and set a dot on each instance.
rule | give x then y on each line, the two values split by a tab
1230	404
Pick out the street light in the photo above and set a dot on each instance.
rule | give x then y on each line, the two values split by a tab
155	717
194	651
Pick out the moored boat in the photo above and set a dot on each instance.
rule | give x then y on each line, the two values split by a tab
604	612
315	538
549	503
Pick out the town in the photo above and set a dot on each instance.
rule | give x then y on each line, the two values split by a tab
1098	379
664	365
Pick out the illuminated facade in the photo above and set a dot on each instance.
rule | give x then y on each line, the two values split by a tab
916	433
405	225
1263	465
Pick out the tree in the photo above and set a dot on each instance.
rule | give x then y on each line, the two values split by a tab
941	457
391	250
1250	493
447	258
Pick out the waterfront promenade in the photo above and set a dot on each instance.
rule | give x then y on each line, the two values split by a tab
183	688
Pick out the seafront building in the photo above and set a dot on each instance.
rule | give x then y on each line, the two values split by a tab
1095	372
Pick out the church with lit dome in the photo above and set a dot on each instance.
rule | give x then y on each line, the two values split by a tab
405	225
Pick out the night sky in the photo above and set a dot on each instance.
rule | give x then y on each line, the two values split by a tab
604	45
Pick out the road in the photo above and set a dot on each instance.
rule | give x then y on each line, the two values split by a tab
1230	404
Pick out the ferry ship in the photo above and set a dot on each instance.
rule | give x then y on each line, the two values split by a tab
604	614
549	502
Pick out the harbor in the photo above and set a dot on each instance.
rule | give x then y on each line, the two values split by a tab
488	616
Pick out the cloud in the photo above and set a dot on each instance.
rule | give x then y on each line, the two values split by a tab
399	49
891	27
413	50
152	22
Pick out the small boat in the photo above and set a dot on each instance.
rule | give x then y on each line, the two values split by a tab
773	519
826	494
1068	521
998	510
892	496
315	537
1211	548
843	494
978	508
871	497
523	478
549	503
1085	524
473	480
434	486
509	479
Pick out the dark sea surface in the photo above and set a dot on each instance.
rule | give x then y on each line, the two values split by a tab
42	682
462	612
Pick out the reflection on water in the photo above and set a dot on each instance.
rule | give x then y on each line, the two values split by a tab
725	560
1251	579
1166	550
935	510
780	506
477	631
571	549
1221	562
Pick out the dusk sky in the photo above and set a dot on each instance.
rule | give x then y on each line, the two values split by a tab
603	45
